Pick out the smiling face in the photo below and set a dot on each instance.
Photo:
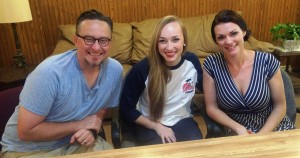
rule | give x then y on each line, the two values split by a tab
92	55
230	38
170	43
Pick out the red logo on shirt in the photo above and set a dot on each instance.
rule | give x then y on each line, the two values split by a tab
188	86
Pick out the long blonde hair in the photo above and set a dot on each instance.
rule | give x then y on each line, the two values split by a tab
159	74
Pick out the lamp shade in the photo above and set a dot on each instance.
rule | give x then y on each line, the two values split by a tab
13	11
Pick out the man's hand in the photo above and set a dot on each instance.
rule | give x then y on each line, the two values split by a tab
165	133
91	122
84	137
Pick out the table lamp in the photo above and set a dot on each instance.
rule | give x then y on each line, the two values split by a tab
14	11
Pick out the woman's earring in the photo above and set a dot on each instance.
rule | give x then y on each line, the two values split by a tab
184	44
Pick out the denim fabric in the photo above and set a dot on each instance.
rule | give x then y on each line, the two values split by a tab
185	130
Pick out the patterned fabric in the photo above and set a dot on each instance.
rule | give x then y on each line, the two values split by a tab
253	109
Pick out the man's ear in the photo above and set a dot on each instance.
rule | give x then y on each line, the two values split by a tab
75	38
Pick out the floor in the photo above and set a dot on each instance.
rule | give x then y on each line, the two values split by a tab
201	123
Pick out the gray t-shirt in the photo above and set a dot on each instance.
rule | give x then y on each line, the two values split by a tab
58	90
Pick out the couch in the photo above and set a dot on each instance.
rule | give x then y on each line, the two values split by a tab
130	41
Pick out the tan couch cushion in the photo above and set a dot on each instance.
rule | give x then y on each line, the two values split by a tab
121	41
142	35
198	30
255	44
62	46
199	37
202	43
68	31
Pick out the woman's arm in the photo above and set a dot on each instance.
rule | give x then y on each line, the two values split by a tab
134	85
212	108
279	103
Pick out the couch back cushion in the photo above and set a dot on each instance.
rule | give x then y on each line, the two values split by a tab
200	40
198	31
142	35
121	48
199	37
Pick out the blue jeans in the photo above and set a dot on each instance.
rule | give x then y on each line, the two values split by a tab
185	130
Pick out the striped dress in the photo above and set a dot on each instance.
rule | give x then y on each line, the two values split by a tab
253	109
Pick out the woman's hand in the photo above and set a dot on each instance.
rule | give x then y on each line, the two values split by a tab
165	133
243	131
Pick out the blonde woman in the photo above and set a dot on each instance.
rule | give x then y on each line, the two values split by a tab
163	84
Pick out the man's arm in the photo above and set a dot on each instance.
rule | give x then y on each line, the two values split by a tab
32	127
101	113
87	137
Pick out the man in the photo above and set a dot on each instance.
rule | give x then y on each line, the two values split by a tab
65	98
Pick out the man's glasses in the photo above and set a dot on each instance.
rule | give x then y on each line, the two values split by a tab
88	40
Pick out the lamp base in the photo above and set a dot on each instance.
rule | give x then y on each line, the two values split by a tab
19	60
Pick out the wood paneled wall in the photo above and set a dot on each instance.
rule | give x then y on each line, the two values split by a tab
38	37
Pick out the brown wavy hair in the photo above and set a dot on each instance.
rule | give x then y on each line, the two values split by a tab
159	74
226	16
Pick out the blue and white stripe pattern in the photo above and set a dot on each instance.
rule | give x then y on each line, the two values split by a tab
254	107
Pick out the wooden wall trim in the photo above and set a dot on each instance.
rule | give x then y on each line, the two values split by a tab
38	37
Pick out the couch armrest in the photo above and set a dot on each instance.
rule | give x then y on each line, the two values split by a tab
115	129
213	128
